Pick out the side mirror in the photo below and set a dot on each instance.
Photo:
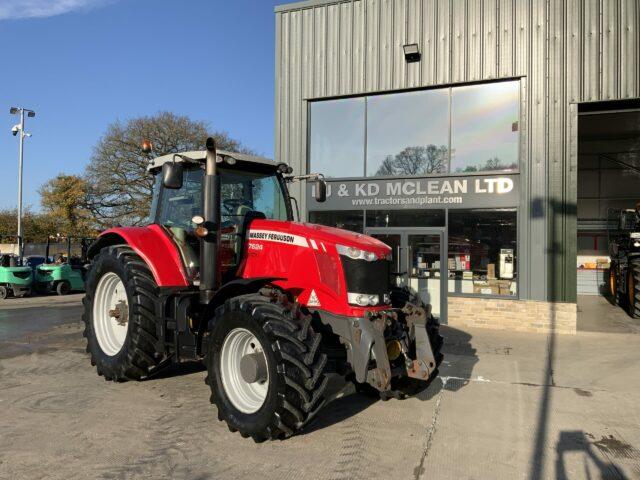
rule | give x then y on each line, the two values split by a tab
321	191
172	175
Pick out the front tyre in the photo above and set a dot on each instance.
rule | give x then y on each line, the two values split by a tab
633	288
119	315
264	366
613	283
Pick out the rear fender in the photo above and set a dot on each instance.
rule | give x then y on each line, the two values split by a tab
154	246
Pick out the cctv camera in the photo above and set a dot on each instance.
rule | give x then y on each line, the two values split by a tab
15	130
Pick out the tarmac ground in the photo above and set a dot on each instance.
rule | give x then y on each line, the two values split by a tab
506	405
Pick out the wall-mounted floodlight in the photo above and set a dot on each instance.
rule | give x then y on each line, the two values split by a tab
411	53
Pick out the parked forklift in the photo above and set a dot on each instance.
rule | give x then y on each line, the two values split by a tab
273	307
62	274
624	250
15	279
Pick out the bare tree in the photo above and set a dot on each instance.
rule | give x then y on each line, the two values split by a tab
120	189
421	160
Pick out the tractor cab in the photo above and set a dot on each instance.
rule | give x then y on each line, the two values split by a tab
250	188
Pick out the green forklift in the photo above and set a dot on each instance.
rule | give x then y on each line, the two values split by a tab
62	274
15	279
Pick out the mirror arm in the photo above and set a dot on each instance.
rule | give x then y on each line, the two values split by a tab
298	178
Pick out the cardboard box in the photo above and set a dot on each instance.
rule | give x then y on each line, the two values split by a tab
491	271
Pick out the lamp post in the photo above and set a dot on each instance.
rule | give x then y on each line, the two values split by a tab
19	129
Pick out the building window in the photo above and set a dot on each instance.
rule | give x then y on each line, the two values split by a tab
483	252
484	127
347	220
405	218
465	129
408	133
337	137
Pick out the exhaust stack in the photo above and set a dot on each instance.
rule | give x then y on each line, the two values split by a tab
209	246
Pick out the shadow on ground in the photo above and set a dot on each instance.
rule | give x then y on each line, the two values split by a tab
460	357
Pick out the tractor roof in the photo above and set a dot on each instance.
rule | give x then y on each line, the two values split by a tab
200	156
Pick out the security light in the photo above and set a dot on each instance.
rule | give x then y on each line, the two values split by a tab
31	113
411	53
13	110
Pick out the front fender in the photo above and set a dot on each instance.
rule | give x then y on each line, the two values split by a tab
154	246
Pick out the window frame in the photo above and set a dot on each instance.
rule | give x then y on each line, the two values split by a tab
521	129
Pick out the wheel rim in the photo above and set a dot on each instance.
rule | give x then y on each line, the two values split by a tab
245	396
110	314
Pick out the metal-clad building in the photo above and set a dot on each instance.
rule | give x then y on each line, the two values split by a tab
562	54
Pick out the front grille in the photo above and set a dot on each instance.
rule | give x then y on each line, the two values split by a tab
371	278
21	274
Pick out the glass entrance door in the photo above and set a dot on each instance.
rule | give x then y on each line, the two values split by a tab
419	261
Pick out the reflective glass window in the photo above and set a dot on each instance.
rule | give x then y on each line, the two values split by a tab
408	133
348	220
337	137
484	127
483	252
405	218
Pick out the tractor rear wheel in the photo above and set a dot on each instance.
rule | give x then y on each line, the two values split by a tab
633	288
613	283
264	366
119	315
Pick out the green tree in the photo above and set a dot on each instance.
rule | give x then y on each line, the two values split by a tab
64	197
36	226
120	189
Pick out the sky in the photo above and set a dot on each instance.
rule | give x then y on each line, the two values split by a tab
82	64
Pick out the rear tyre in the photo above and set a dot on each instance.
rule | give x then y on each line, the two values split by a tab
119	316
633	288
264	366
613	283
63	288
4	293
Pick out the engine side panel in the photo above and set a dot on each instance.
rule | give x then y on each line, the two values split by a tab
155	247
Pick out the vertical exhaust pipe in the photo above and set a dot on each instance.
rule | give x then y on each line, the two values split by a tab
209	271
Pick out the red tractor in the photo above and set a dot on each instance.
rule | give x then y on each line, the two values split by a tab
273	307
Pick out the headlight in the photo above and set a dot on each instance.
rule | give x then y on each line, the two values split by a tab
356	254
634	234
363	299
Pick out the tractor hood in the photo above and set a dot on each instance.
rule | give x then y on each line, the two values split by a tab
315	236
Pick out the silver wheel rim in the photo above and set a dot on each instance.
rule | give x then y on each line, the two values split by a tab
246	397
110	314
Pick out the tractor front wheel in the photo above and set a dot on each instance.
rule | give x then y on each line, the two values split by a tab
264	366
4	293
119	315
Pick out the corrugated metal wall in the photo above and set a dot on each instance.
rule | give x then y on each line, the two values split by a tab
566	52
